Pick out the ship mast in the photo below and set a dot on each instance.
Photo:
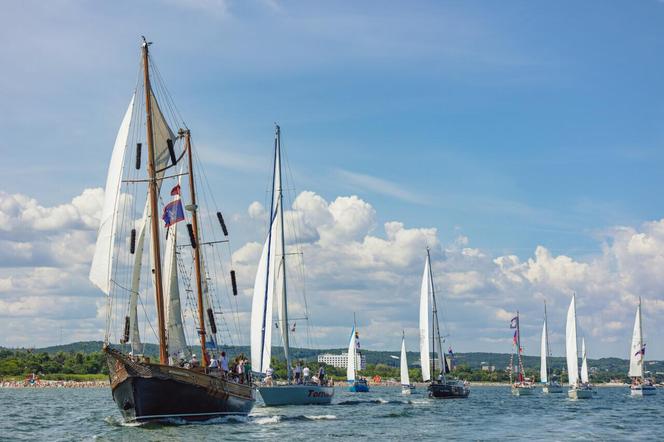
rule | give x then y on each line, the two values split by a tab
196	244
154	217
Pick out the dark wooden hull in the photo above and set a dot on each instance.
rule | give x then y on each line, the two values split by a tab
448	390
146	392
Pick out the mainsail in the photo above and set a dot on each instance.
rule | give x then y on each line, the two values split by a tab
637	350
352	356
405	378
424	324
102	261
570	344
584	363
543	356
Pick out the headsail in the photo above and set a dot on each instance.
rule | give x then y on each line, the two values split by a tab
570	344
543	356
134	335
637	350
261	307
424	324
584	363
405	378
102	261
352	357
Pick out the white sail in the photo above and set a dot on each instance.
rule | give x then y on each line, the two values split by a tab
177	343
210	338
584	363
424	324
261	307
570	344
635	353
543	356
102	261
352	358
134	335
405	378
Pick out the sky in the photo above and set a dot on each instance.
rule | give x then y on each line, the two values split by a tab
521	141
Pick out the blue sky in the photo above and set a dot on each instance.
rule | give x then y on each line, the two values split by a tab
513	124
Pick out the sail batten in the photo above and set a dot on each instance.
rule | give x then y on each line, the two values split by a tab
424	324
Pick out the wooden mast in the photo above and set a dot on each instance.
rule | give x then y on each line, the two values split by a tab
197	253
154	218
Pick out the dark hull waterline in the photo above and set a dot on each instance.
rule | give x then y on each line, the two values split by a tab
452	390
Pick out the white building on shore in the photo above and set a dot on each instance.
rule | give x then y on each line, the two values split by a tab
341	361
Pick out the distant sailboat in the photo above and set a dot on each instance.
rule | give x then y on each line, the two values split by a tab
578	389
270	285
549	383
640	385
521	386
406	386
356	383
442	387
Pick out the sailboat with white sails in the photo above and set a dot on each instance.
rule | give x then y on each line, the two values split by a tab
147	391
579	388
356	383
406	386
640	385
442	387
549	382
271	286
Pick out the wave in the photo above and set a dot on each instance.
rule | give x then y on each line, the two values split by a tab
373	401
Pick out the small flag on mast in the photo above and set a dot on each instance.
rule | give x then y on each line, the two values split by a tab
173	213
175	190
513	322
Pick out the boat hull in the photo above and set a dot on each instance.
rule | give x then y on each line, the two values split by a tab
359	387
552	389
522	391
147	392
296	395
448	390
643	390
580	393
407	389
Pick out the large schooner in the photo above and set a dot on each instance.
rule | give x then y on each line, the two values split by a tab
442	387
270	286
177	386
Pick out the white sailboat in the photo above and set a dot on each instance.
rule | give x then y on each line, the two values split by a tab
549	383
442	387
270	286
356	383
640	385
578	389
406	386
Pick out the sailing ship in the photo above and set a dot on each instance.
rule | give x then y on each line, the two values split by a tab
356	383
640	385
549	382
145	390
406	386
521	386
579	389
270	286
443	387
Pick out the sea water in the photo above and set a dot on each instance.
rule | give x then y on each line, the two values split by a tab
490	413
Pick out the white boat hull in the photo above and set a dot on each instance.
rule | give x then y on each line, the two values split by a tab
296	395
552	389
580	393
522	391
643	390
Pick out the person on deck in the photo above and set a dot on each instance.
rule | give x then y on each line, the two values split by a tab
298	373
240	369
268	376
224	362
247	370
305	373
194	362
321	375
214	364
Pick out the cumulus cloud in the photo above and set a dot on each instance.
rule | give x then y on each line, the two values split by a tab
352	263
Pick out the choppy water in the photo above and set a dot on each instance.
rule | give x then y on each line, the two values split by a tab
491	413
